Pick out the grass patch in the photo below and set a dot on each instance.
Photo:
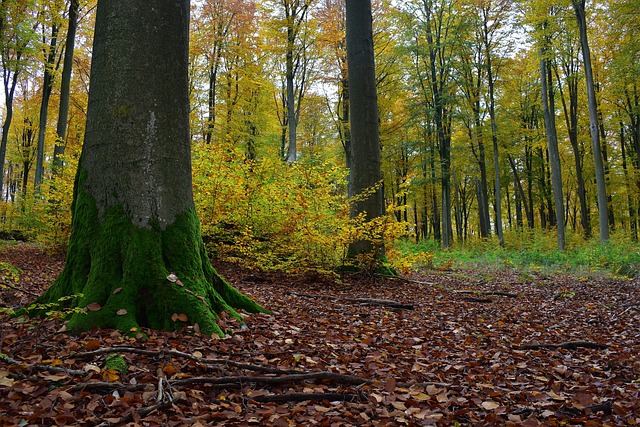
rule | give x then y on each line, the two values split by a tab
535	253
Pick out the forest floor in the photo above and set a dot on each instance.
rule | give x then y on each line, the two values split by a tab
509	350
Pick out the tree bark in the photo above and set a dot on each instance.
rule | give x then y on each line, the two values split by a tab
136	256
603	216
47	87
366	172
65	87
548	107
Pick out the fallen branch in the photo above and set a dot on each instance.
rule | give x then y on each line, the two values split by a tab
176	353
42	368
571	345
474	299
105	387
497	293
20	290
140	413
301	397
629	308
243	379
407	280
365	301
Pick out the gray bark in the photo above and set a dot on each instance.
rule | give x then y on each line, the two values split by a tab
65	87
136	152
548	109
603	216
47	87
366	172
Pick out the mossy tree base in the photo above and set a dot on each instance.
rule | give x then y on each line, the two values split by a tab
131	277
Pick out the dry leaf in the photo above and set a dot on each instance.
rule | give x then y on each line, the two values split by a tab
94	306
116	291
92	345
121	312
110	375
490	405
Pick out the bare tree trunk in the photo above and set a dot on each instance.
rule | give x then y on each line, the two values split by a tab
65	88
548	107
366	170
47	87
603	216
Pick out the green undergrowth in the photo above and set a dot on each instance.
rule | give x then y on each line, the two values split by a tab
534	254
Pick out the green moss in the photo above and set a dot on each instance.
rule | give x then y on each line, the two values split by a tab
122	272
116	362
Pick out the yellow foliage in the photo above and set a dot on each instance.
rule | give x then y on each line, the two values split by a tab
272	215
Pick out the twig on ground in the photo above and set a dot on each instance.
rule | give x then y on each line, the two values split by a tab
301	397
571	345
365	301
498	293
142	412
176	353
42	368
20	290
243	379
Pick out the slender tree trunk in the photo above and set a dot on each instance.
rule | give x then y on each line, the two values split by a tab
65	88
494	137
10	82
633	220
291	104
47	87
603	216
548	107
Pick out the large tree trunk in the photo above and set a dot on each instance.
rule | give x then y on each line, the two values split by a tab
135	235
366	172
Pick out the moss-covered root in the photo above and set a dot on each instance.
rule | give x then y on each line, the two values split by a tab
130	277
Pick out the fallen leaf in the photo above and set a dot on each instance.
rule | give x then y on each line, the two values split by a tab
92	345
94	306
490	405
121	312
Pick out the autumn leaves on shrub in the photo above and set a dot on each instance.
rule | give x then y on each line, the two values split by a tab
271	215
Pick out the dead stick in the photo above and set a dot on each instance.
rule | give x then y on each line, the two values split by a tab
142	412
176	353
499	293
301	397
105	387
20	290
367	301
570	345
43	368
309	376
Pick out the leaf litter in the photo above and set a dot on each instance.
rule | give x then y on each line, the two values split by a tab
563	352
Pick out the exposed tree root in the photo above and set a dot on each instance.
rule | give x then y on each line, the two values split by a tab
20	290
364	301
42	368
570	345
176	353
301	397
135	416
245	379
